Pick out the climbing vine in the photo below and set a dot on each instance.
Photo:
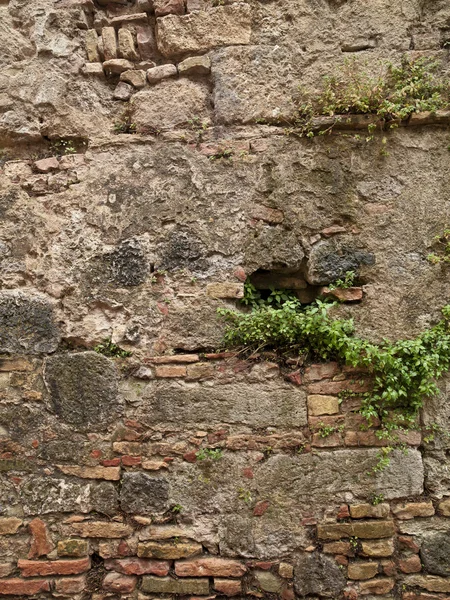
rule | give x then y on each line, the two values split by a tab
402	373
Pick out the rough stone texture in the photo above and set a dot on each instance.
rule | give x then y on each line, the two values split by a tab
201	31
27	323
83	389
435	553
167	585
143	494
317	574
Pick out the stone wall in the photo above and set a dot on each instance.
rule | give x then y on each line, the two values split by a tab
146	173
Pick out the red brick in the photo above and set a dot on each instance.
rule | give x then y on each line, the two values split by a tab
295	377
363	438
389	568
70	585
190	457
341	560
33	568
321	371
40	542
115	582
210	567
138	566
24	588
220	355
260	508
287	594
353	294
333	230
171	371
111	462
131	461
343	512
228	587
407	543
173	359
248	473
102	529
98	472
240	274
412	564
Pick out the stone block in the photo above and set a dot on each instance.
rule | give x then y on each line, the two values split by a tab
429	582
322	405
73	548
157	74
380	548
117	65
91	44
182	587
268	581
142	494
9	525
201	31
101	529
127	48
168	551
93	69
362	570
195	65
316	574
136	78
376	586
138	566
210	567
109	43
365	530
83	389
364	511
435	553
444	507
410	510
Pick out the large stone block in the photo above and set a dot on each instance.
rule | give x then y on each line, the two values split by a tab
26	324
143	494
330	260
201	31
318	574
171	103
273	403
435	553
41	495
83	389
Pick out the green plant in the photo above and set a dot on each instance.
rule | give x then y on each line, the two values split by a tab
245	495
354	543
177	508
108	348
62	147
222	153
376	499
347	282
327	430
211	453
402	373
442	252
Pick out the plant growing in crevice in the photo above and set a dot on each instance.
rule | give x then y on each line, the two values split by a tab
441	253
348	281
402	373
125	122
109	348
211	453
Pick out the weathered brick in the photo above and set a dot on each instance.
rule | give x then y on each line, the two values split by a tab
330	441
338	548
376	586
362	570
321	371
99	472
362	511
389	568
408	543
333	388
378	548
210	567
353	294
322	405
362	529
70	585
73	548
19	587
138	566
429	582
167	585
170	371
410	510
225	290
444	507
168	551
228	587
116	582
102	529
412	564
201	371
9	525
40	541
260	508
172	359
35	568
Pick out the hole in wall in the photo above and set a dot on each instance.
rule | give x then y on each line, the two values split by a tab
284	279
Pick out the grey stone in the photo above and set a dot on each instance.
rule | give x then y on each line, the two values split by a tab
123	91
156	74
26	324
183	586
83	389
261	405
42	495
142	494
9	498
435	553
318	574
127	265
268	581
183	249
330	260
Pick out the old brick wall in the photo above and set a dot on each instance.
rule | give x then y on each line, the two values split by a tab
145	174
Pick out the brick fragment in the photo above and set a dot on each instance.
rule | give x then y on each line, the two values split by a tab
168	551
116	582
19	587
412	564
157	74
47	164
444	507
267	214
378	548
352	294
228	587
9	525
73	548
389	568
167	585
70	585
117	66
170	371
362	570
333	388
431	583
338	548
210	567
102	529
109	43
195	65
286	570
410	510
201	371
40	541
138	566
36	568
408	543
260	508
99	472
361	529
322	405
172	359
376	586
168	7
362	511
317	372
